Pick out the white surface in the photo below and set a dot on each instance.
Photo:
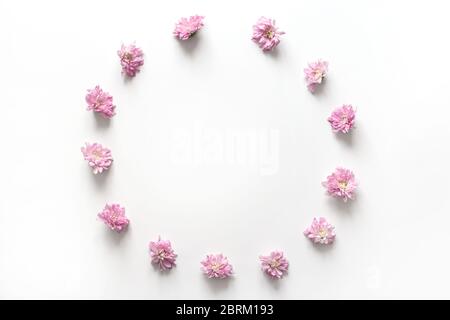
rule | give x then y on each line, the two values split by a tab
387	58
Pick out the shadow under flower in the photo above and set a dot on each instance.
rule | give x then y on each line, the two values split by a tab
341	206
323	247
319	91
126	79
275	283
101	121
101	178
190	44
162	273
217	285
346	138
274	53
114	237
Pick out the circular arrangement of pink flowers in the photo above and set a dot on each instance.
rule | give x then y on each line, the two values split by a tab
113	215
131	59
101	102
315	73
216	266
341	184
98	157
342	119
275	264
320	231
266	34
162	254
185	28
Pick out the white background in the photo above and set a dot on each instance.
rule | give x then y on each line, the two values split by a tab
390	59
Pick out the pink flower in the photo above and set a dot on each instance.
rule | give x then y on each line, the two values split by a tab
162	254
266	34
114	217
320	231
131	59
98	157
275	264
217	266
341	184
101	102
315	73
187	27
342	119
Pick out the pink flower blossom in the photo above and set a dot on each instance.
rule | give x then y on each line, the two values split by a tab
275	264
101	102
98	157
342	119
162	254
216	266
341	184
320	231
266	34
131	59
114	217
187	27
315	73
